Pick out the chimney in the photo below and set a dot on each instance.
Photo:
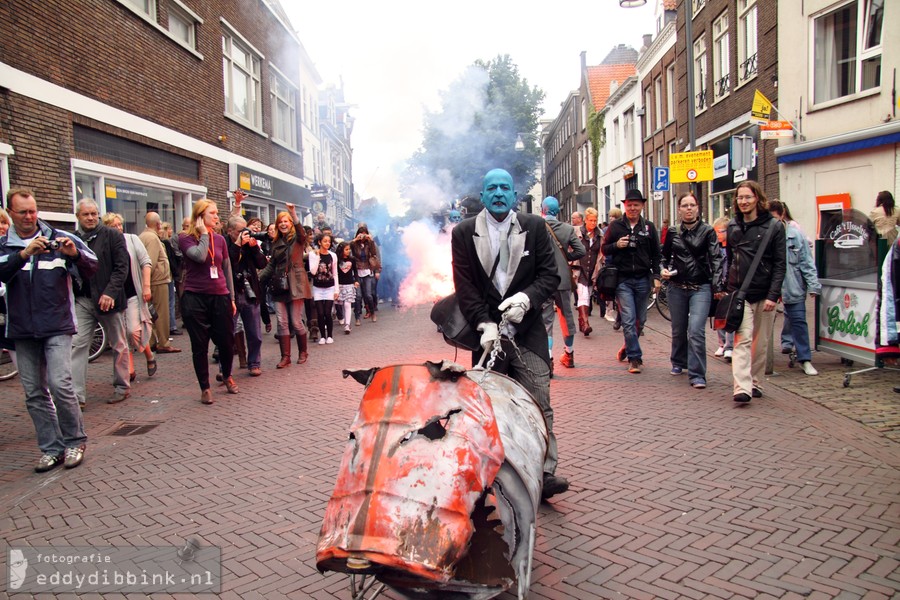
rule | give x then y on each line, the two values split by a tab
583	61
648	39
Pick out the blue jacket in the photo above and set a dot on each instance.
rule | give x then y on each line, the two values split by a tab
39	297
800	278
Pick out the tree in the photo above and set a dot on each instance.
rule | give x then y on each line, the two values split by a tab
482	114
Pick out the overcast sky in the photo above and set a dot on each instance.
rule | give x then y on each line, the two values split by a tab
396	56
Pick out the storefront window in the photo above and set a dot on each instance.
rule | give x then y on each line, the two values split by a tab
134	201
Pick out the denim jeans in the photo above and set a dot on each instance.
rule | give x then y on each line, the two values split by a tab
367	287
249	315
787	336
173	324
632	295
689	310
291	317
45	368
795	315
87	317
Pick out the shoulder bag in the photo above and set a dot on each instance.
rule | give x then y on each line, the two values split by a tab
730	308
451	322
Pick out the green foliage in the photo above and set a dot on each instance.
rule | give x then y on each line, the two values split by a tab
481	114
596	134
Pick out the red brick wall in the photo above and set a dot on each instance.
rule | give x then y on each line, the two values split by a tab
102	50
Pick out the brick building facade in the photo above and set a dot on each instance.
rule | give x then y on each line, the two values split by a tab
735	53
150	105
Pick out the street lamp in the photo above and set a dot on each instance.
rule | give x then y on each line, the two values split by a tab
520	144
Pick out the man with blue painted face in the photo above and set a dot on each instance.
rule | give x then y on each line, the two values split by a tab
503	270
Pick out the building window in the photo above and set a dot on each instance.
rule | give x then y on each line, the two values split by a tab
847	59
670	93
284	109
648	114
700	98
628	124
747	53
697	5
584	114
242	82
616	138
657	102
182	25
721	58
145	7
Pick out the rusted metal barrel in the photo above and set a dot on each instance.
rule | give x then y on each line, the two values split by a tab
439	483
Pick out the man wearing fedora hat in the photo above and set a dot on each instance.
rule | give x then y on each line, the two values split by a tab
632	244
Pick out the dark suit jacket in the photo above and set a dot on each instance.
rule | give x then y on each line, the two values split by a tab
532	269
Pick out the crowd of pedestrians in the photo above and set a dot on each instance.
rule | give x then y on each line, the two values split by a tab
225	277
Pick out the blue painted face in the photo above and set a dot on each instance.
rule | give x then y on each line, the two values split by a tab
498	194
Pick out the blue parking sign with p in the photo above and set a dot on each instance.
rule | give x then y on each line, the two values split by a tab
661	179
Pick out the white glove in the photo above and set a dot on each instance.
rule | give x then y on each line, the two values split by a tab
515	307
490	333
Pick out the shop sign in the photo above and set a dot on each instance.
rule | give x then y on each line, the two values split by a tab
628	170
847	318
262	185
776	129
849	235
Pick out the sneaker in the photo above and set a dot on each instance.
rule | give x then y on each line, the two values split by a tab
553	485
329	340
347	329
786	349
743	398
567	359
119	396
358	323
698	384
727	355
676	371
720	352
634	366
808	368
622	354
757	393
74	456
610	317
321	341
48	462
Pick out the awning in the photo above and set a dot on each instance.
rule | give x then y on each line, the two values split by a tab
852	141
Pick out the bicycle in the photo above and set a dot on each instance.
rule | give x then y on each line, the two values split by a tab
661	301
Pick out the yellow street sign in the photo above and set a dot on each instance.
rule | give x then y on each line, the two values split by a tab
688	167
761	110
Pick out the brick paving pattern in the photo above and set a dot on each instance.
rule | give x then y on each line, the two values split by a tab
676	492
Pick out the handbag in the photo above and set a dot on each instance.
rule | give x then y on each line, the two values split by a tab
607	280
451	322
454	326
730	308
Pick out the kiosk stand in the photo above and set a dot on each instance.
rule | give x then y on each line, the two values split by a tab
848	259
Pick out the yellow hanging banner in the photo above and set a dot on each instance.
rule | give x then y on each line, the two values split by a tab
762	109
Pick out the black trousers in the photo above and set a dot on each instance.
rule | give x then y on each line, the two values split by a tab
209	317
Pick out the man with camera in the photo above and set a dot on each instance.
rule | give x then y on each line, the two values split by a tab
102	299
632	244
246	257
37	264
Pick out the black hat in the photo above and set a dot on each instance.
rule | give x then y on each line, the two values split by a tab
635	194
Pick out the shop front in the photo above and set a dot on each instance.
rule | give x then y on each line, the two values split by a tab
268	194
133	194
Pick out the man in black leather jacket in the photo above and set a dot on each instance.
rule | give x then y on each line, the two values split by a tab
745	233
692	262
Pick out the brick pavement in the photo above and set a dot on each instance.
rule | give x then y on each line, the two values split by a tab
676	492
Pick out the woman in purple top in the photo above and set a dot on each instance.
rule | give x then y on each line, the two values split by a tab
207	303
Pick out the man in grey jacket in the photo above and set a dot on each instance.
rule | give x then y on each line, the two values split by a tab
567	247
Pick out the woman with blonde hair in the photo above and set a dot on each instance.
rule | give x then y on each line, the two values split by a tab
138	320
289	283
207	303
